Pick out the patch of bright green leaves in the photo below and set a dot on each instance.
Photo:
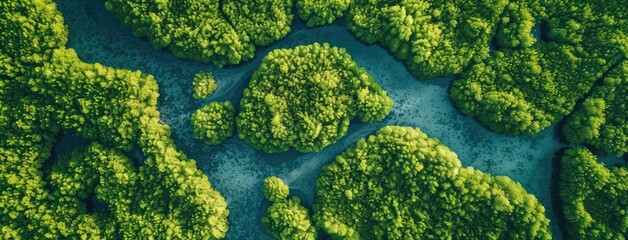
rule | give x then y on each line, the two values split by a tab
275	189
208	31
286	218
433	38
128	212
214	123
524	91
602	120
510	82
594	198
401	184
304	98
524	88
321	12
44	89
204	85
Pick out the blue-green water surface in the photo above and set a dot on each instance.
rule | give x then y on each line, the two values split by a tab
237	170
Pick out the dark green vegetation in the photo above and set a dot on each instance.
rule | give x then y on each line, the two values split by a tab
219	32
209	31
433	38
275	189
286	219
594	198
45	89
602	120
401	184
304	98
214	123
321	12
204	85
110	176
522	89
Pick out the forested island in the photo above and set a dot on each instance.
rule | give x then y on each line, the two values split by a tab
518	68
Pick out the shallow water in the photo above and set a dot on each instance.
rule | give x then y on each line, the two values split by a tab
237	170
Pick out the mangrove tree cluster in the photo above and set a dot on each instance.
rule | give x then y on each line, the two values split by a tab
275	189
204	85
304	98
45	89
510	81
601	121
209	31
286	218
321	12
395	184
594	198
214	123
401	184
522	89
433	38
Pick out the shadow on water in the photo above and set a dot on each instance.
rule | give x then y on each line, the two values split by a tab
276	159
137	157
67	141
261	211
555	193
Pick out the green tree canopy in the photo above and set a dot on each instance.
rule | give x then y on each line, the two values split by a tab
524	88
401	184
304	98
261	21
509	82
208	31
110	176
204	85
214	123
602	120
286	218
321	12
275	189
433	38
46	88
594	198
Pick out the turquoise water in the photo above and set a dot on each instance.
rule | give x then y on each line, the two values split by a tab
237	170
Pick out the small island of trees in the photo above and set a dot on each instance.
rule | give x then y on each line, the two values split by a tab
304	98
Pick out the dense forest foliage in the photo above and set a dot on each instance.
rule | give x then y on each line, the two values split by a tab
594	197
286	218
206	30
44	89
401	184
304	98
524	89
219	32
511	82
204	85
602	119
433	38
214	123
321	12
396	184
